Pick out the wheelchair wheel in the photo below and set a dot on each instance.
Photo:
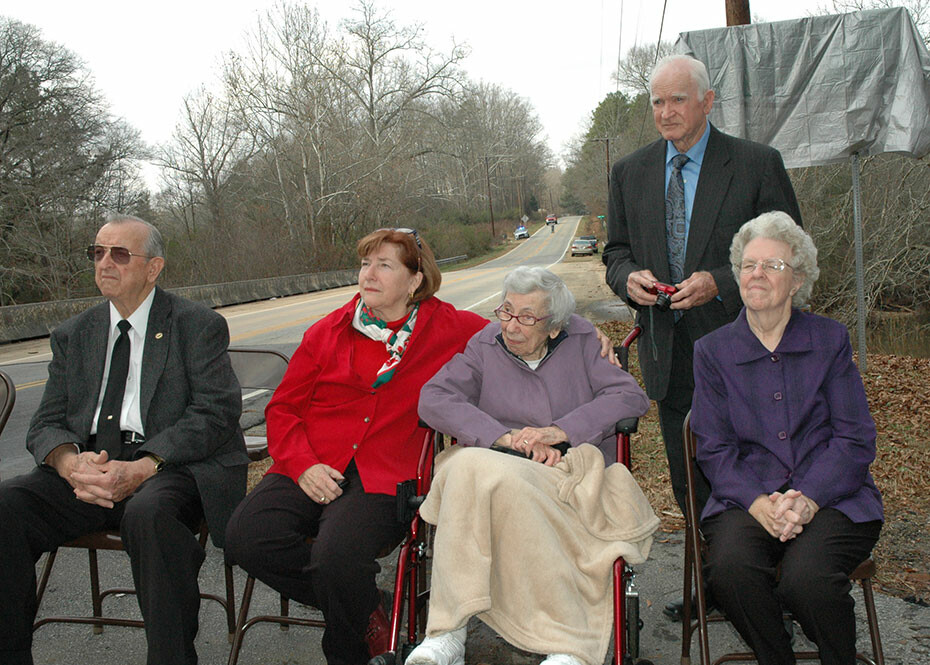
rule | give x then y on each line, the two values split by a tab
389	658
633	625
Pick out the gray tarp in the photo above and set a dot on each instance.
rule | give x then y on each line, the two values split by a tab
821	88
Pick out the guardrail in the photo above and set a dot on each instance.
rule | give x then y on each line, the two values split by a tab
20	322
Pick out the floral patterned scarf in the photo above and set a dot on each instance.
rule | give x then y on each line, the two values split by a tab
367	323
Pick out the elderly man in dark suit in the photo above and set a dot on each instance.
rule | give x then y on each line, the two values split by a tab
138	429
673	208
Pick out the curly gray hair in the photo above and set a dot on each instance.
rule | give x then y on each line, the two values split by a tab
560	303
778	225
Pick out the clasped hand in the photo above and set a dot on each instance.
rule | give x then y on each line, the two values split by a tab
99	480
536	443
783	515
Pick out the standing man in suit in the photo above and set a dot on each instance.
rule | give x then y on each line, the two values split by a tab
673	208
137	430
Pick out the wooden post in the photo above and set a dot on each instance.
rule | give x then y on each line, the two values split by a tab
738	12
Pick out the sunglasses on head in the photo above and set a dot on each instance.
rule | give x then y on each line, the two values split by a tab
120	255
413	232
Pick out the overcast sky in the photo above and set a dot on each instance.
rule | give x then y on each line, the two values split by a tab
145	56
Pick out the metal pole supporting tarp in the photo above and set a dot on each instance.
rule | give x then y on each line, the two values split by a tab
860	276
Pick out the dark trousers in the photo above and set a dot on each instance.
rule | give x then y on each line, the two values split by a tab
813	583
267	536
39	512
672	411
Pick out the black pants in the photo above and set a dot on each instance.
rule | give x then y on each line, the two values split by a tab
672	411
336	572
39	512
814	582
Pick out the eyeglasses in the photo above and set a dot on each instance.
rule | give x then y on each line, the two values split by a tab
771	266
524	319
120	255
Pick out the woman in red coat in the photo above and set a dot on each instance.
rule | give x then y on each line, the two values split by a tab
342	429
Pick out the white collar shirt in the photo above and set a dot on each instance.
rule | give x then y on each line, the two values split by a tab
130	417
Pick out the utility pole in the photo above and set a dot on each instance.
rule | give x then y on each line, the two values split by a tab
738	12
487	173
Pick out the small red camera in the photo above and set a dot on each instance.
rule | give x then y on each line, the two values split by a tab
663	294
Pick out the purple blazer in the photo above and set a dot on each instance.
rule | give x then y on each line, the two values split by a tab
486	391
793	418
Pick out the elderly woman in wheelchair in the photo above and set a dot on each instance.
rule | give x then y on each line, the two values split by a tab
526	541
785	439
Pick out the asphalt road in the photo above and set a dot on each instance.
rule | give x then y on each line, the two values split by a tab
279	324
905	626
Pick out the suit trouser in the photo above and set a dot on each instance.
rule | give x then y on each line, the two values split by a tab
267	536
672	411
814	582
39	512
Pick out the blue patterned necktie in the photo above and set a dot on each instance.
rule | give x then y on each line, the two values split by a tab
675	219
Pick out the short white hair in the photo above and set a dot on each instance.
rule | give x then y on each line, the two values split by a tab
780	226
560	303
696	69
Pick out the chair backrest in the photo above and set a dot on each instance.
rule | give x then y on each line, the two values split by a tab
258	369
690	452
7	398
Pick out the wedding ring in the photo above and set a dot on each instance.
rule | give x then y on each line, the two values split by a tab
525	442
322	499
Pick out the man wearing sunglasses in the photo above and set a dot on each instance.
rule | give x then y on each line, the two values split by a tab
137	430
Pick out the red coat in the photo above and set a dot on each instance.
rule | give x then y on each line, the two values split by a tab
324	412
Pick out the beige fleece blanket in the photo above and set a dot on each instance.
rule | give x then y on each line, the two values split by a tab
529	549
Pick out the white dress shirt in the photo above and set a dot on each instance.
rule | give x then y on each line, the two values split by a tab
130	417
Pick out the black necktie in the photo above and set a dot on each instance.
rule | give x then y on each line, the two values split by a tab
108	428
675	219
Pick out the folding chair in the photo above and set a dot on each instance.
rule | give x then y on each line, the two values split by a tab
410	585
110	540
258	371
7	398
255	369
694	573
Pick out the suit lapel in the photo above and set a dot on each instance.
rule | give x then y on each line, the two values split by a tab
93	356
653	169
155	353
716	174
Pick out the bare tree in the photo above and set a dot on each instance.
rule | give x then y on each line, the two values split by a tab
634	70
63	159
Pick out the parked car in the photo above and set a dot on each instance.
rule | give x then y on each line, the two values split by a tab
582	246
552	219
592	239
521	233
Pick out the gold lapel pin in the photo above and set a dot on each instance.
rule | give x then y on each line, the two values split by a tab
159	335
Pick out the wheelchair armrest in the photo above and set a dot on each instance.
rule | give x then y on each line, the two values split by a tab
628	426
408	502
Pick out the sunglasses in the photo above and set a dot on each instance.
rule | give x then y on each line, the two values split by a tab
120	255
413	232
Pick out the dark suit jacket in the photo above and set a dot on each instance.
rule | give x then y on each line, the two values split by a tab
190	398
739	180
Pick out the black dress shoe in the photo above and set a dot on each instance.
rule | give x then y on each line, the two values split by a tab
675	609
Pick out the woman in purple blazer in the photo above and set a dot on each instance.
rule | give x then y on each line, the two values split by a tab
785	439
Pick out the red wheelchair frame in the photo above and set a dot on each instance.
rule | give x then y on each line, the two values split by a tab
410	580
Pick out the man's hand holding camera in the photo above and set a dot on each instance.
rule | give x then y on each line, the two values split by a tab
643	288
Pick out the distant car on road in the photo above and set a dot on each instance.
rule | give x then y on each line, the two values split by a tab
521	233
593	239
582	246
552	219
